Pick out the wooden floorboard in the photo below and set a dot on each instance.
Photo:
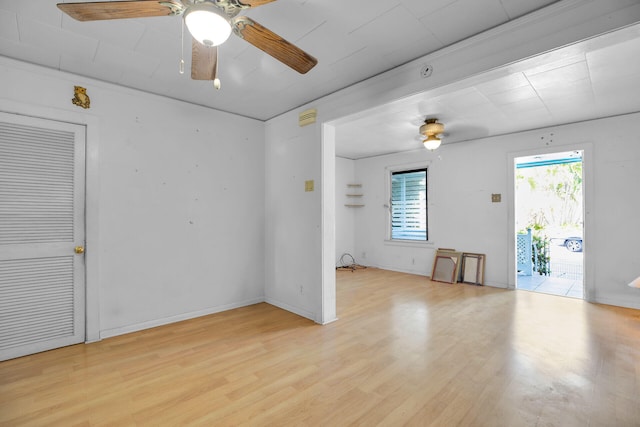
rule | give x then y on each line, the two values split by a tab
405	351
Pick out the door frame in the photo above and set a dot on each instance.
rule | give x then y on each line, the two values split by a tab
587	204
92	186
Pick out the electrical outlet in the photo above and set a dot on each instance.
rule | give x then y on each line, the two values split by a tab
496	198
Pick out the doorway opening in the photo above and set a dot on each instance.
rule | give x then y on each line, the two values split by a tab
549	212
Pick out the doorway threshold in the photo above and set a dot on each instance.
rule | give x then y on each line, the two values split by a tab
551	285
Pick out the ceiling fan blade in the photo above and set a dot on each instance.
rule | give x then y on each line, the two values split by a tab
203	61
97	11
255	3
273	44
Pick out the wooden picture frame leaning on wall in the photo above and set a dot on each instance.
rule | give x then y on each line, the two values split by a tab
473	268
446	266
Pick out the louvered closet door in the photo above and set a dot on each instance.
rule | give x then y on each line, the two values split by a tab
41	224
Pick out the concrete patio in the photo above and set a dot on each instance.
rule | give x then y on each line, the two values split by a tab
566	278
551	285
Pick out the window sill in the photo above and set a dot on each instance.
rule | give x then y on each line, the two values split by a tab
409	243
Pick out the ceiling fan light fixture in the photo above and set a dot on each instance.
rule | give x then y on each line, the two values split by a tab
207	24
432	142
431	130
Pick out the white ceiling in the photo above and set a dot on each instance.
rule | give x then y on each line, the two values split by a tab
591	79
353	40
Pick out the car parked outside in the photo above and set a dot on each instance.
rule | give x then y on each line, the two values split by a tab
569	238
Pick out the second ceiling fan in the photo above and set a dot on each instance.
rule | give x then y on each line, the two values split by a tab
210	23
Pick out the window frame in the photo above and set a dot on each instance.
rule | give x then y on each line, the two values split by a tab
403	168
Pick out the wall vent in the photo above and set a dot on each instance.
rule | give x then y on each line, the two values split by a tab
307	117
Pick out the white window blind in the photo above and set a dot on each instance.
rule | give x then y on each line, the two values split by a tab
409	205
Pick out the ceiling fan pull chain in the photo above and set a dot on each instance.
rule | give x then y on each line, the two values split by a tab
216	80
182	49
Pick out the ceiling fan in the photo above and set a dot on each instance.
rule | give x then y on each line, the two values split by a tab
210	23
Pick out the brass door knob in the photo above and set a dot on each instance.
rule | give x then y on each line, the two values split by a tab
79	249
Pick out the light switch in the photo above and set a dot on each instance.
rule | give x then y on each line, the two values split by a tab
308	185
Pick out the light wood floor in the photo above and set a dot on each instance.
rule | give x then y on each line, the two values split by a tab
406	351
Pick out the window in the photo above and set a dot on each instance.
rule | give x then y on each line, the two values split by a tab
409	205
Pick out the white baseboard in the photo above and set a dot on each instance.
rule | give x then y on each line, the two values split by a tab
497	285
617	302
295	310
107	333
335	319
400	270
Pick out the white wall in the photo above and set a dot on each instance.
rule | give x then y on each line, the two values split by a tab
371	228
293	251
346	216
175	205
463	176
162	241
291	152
